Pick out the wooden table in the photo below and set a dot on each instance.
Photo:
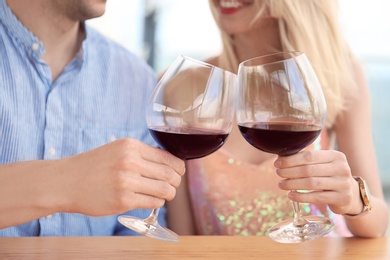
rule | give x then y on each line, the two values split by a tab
191	247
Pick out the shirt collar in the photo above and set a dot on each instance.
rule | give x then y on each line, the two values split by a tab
33	46
19	32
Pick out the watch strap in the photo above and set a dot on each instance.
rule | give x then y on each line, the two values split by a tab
365	197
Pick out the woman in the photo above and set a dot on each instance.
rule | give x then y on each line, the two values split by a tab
235	191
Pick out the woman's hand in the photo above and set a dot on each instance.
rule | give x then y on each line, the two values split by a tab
327	177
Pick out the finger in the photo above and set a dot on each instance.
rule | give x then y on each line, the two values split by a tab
316	184
305	171
149	162
151	187
163	157
161	172
139	200
319	197
305	157
338	168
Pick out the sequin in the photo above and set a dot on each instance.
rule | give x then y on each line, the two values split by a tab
231	197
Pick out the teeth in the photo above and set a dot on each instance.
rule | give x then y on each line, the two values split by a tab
230	3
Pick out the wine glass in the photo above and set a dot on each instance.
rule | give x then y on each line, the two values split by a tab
190	114
281	109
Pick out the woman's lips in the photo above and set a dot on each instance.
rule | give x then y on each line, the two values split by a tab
231	6
229	10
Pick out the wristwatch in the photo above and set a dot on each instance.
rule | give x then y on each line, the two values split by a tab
365	196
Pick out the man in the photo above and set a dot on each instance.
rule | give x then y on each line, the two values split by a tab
74	146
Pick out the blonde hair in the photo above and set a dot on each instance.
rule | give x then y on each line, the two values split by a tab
310	26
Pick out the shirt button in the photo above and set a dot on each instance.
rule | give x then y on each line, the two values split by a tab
35	46
52	151
112	138
48	216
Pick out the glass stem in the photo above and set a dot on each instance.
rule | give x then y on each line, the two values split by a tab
298	219
152	219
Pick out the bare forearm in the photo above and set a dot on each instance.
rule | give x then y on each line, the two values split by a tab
373	224
28	191
112	179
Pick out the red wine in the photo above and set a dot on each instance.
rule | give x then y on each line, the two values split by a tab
282	138
188	143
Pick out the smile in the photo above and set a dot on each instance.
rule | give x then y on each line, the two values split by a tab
232	6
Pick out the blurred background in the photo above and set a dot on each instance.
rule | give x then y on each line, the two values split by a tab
160	30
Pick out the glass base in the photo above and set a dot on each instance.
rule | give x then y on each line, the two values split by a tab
153	230
287	232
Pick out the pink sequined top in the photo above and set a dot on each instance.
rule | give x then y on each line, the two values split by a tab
231	197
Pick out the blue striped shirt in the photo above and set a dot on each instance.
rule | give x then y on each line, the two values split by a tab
99	97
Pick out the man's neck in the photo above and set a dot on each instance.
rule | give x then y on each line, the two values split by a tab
61	36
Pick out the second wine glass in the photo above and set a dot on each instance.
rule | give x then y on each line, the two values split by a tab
281	109
190	114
